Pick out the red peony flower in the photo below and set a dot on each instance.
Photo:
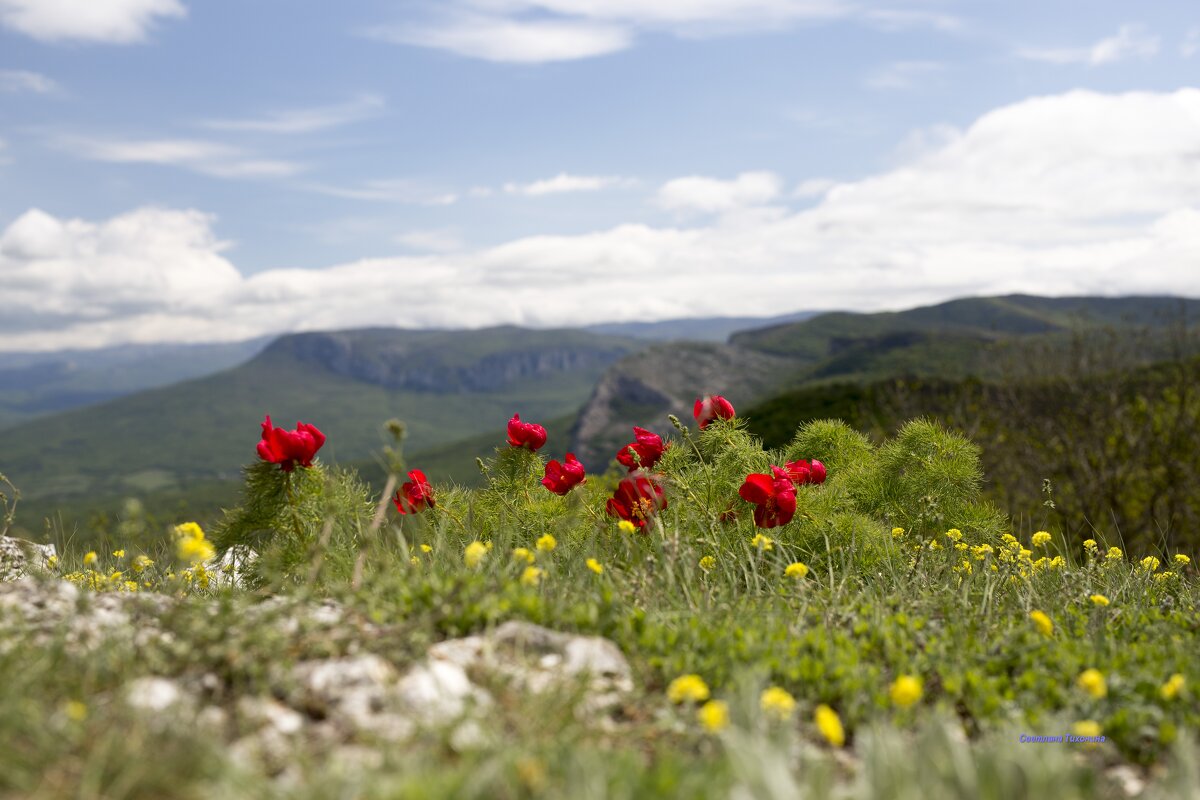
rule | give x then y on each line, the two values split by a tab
802	472
525	434
288	448
647	445
711	407
774	497
562	478
637	498
415	494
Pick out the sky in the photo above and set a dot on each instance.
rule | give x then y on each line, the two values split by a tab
185	171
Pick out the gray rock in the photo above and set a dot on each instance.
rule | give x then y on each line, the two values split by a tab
17	556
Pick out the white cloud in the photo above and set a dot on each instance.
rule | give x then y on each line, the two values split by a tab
304	120
712	195
515	41
1191	43
208	158
903	75
1080	193
1131	41
389	190
107	21
20	80
564	182
536	31
434	240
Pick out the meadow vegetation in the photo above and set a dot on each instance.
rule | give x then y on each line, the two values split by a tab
897	637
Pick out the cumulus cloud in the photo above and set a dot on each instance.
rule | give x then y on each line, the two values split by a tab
208	158
1191	43
564	182
1131	41
106	21
21	80
304	120
1080	193
712	195
535	31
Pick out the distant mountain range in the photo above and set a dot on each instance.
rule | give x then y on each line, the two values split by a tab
456	389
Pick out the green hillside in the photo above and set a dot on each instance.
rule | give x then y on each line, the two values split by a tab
980	319
446	386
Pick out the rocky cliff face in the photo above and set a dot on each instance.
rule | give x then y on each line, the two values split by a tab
643	388
452	361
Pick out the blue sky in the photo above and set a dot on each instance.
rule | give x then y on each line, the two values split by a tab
179	170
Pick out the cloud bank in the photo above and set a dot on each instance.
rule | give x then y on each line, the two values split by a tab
104	21
1074	193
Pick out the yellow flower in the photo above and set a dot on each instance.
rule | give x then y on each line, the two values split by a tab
1089	545
474	553
547	543
52	562
830	725
75	711
1041	539
982	551
118	553
1180	558
707	563
714	715
189	529
954	534
595	566
140	563
1087	728
1164	576
523	554
90	558
1009	539
796	570
1042	622
1058	562
762	542
777	703
897	533
906	690
131	586
1174	685
416	562
934	544
1114	554
1150	563
625	526
426	548
1092	681
687	688
194	549
532	576
1099	600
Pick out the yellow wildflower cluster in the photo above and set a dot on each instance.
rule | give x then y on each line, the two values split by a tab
190	544
1041	539
762	543
1042	622
687	689
830	725
796	570
906	690
1172	688
1150	564
595	566
1099	600
532	576
1092	681
523	554
474	553
954	534
625	526
777	703
546	543
707	563
714	715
